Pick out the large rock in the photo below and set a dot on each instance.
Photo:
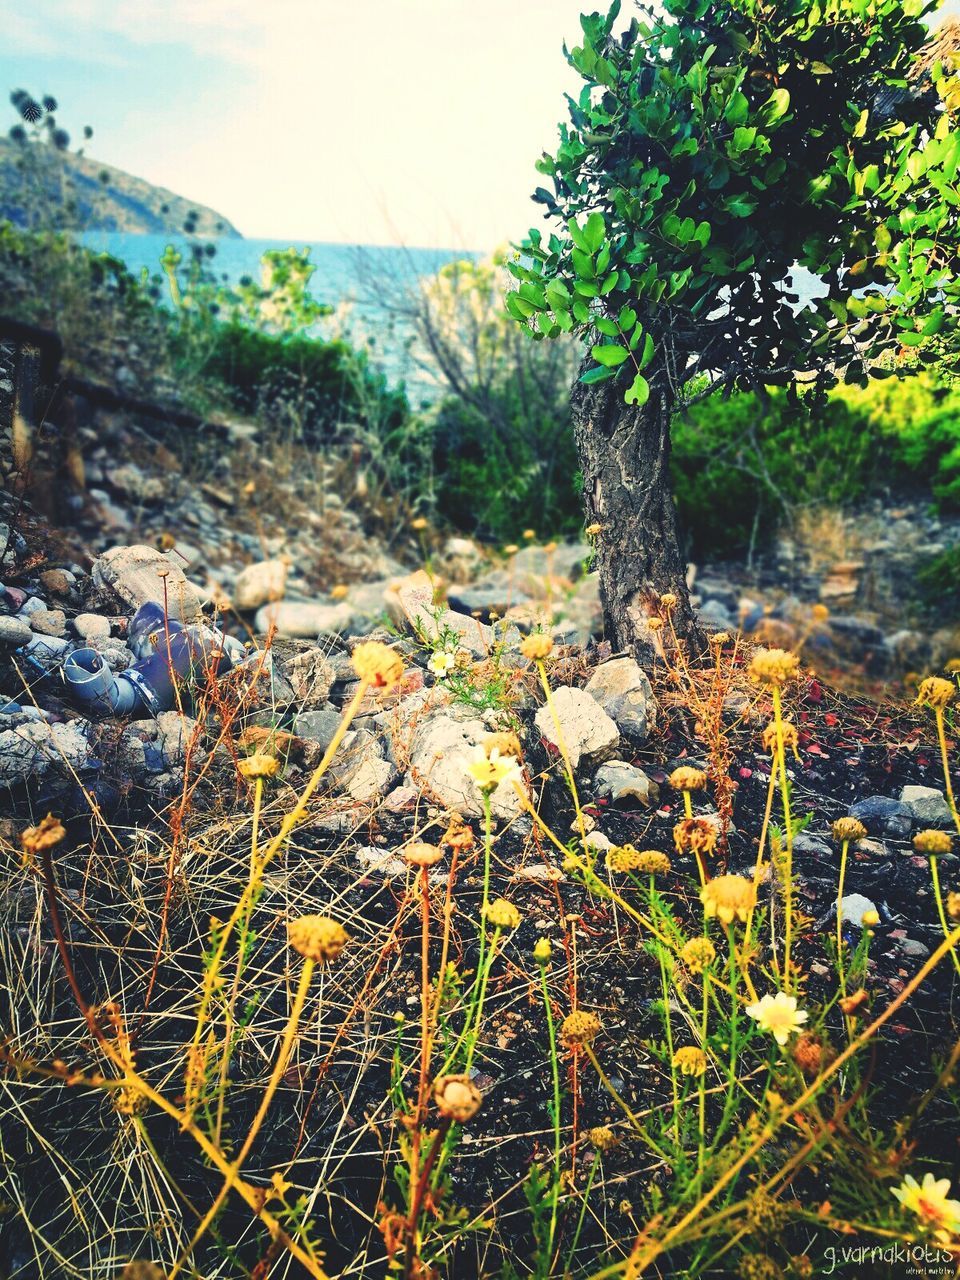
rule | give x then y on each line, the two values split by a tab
260	583
359	768
882	815
306	618
589	734
138	574
624	692
928	806
34	749
411	604
441	749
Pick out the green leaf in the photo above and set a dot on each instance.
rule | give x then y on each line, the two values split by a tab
743	138
627	318
860	128
737	109
638	392
594	232
600	374
577	236
607	326
776	106
609	354
647	354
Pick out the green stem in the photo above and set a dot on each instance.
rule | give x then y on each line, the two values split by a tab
555	1070
843	871
788	839
938	894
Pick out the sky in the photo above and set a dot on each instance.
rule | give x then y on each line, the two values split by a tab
361	121
412	122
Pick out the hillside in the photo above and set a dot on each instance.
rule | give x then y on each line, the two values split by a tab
94	196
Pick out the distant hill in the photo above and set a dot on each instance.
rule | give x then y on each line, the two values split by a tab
74	191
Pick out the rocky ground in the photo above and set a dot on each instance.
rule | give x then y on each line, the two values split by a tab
288	565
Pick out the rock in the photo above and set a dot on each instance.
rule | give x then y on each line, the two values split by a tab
816	846
589	734
852	908
307	618
138	574
359	768
309	674
917	950
496	593
57	581
35	749
441	748
259	583
927	805
175	734
565	561
318	726
373	779
49	622
411	604
14	632
91	626
382	861
882	815
624	692
30	606
622	781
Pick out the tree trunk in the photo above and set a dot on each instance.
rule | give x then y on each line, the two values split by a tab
625	459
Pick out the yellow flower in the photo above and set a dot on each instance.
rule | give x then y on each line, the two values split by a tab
848	829
953	905
791	740
728	898
502	914
45	835
419	524
697	954
602	1137
536	646
869	919
933	843
668	600
592	530
457	1097
419	854
695	835
623	858
652	862
488	771
655	624
549	547
690	1060
936	693
929	1201
259	765
339	592
138	1270
774	667
686	778
377	664
580	1027
317	937
511	550
529	534
720	637
779	1015
542	951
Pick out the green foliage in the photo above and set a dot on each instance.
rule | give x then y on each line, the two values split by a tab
713	147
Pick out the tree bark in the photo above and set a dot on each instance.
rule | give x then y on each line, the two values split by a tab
625	460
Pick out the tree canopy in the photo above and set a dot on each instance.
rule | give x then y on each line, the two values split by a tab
714	146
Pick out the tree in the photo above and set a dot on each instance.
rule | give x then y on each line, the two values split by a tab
713	147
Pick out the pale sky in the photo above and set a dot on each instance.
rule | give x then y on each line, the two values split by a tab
376	121
363	121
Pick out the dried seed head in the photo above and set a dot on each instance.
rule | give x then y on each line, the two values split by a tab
580	1027
933	843
791	739
508	744
774	667
652	862
936	693
420	854
457	1097
811	1054
458	834
45	835
602	1137
259	765
848	829
686	778
536	646
698	954
695	835
502	914
377	664
317	938
690	1060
